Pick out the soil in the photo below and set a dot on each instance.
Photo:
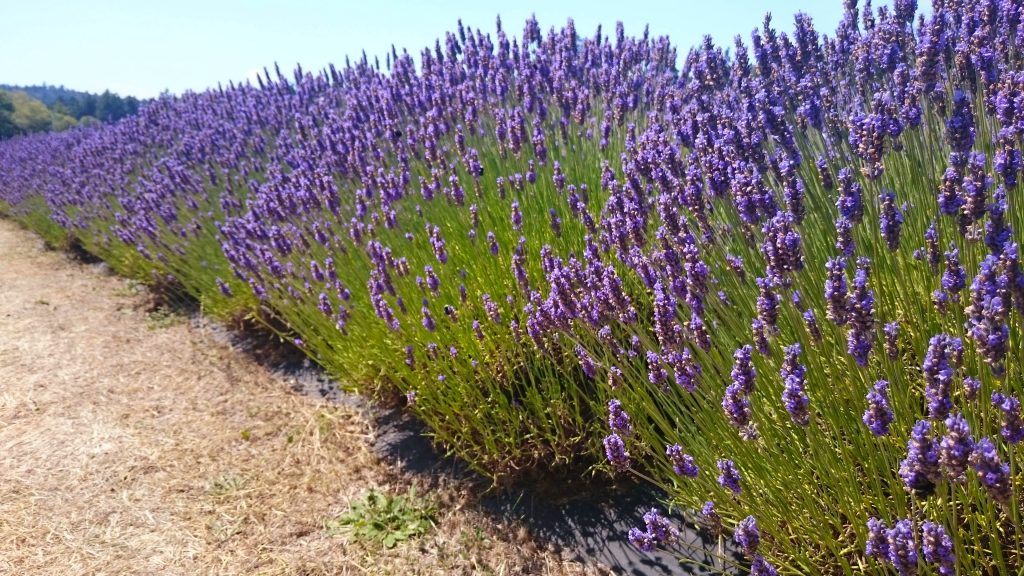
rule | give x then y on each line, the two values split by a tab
133	441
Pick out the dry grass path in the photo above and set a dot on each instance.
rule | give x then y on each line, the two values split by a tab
134	446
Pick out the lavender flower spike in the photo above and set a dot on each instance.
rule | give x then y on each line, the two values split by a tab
618	420
729	476
747	535
682	464
903	548
1012	423
879	414
615	450
938	548
794	396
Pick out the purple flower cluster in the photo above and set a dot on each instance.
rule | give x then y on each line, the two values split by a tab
861	315
920	469
735	402
618	420
879	414
682	463
658	531
941	362
728	476
794	394
1012	422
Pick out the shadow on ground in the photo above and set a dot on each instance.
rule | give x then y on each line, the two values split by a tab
587	519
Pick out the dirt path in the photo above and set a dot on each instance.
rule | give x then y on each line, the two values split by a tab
134	445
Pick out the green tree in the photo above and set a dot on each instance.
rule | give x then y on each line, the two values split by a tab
30	115
7	126
110	107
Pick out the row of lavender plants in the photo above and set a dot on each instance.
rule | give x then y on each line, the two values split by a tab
780	281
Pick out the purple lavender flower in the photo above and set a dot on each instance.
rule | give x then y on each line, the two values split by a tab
861	310
642	539
743	372
557	176
682	464
656	372
938	548
761	567
747	535
826	176
767	304
794	396
492	243
618	419
920	469
517	216
811	322
729	476
931	241
879	414
997	231
737	408
902	548
614	378
797	300
960	126
736	264
659	531
555	222
988	313
835	291
851	201
687	371
955	448
993	474
844	237
781	246
615	450
224	288
890	220
760	335
324	304
1012	423
586	362
954	279
660	527
710	517
971	387
943	358
877	544
428	319
892	333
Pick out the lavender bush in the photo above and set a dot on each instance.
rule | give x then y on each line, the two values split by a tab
782	281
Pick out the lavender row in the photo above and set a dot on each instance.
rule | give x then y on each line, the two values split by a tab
781	281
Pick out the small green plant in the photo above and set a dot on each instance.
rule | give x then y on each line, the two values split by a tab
162	318
226	485
387	519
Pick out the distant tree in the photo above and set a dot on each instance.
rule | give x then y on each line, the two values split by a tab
30	115
110	107
67	107
7	126
61	122
86	106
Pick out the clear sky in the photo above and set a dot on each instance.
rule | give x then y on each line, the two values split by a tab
142	48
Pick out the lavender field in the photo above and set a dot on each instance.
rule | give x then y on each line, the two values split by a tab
779	280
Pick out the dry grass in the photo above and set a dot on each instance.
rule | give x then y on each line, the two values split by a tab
126	449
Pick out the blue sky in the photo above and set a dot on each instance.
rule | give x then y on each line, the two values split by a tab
143	48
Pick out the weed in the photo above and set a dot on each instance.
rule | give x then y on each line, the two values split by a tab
386	519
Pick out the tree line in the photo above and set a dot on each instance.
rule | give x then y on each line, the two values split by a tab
29	109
